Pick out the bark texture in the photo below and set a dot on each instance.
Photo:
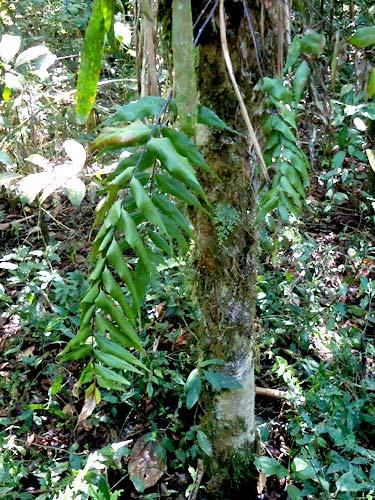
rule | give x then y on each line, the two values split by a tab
226	266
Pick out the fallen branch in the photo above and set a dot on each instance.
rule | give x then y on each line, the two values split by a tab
270	393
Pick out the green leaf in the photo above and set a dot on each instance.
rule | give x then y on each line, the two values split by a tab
300	80
74	355
98	269
185	147
193	388
177	165
117	315
204	443
312	43
170	209
132	237
174	231
177	189
7	160
370	85
111	375
142	279
146	107
108	9
114	290
303	469
117	261
293	54
160	242
220	381
86	316
207	117
184	65
275	88
145	204
91	61
270	467
132	135
294	493
363	37
115	349
109	384
115	362
91	294
81	337
117	335
338	159
122	178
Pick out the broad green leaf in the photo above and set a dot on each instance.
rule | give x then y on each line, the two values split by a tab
170	209
90	65
97	271
160	242
300	80
371	84
185	147
117	261
287	204
193	388
294	493
75	354
177	165
289	190
221	381
115	349
145	204
86	316
145	107
109	384
270	467
184	65
80	338
275	122
122	178
114	290
141	279
91	294
75	191
303	469
111	375
104	302
174	231
107	240
177	189
338	159
312	43
108	10
132	135
204	443
275	88
114	361
132	237
114	213
363	37
347	482
208	117
293	54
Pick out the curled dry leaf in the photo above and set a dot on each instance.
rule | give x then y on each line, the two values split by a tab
147	462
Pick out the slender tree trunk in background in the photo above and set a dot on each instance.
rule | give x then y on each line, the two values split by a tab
227	269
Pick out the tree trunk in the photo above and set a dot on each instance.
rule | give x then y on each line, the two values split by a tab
226	253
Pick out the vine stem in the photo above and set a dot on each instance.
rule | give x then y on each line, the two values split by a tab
252	136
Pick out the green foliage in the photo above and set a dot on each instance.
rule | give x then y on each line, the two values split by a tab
226	220
140	225
282	152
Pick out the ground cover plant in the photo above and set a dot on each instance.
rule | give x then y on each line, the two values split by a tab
187	250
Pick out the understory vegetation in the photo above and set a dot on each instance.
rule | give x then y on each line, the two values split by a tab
126	422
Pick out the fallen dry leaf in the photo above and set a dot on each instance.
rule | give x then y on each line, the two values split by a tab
147	462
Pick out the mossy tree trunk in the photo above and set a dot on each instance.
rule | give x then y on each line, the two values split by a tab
225	258
226	250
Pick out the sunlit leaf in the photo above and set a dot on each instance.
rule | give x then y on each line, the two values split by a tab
90	65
